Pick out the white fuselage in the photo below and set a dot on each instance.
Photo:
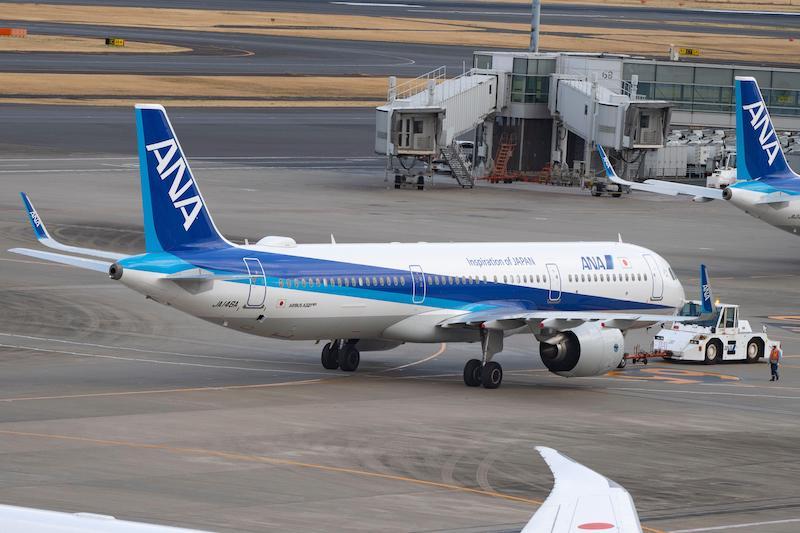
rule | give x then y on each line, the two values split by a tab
401	292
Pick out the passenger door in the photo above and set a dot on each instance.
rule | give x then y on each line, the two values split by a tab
554	295
655	275
418	288
258	283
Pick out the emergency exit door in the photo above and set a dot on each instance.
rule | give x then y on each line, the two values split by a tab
258	283
554	277
418	288
655	275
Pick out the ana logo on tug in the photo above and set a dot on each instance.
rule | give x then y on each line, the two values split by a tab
165	151
759	120
597	262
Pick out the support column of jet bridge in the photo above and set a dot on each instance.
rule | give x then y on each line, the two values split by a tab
419	127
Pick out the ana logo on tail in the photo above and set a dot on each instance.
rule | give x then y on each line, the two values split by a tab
759	120
165	151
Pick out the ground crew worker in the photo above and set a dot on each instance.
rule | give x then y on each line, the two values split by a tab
775	356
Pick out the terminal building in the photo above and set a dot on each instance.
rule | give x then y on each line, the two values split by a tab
526	112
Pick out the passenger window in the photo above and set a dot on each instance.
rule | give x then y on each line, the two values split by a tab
403	281
583	278
645	277
324	282
505	279
360	282
458	280
394	281
280	283
382	280
544	279
430	280
374	281
595	277
495	279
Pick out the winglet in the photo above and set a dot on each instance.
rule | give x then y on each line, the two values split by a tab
33	216
582	499
45	239
707	307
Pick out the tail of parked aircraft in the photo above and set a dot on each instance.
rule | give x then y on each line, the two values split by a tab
707	306
759	155
175	214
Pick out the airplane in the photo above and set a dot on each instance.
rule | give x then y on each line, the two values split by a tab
576	298
15	519
582	500
766	187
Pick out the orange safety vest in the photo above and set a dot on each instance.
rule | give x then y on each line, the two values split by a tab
774	355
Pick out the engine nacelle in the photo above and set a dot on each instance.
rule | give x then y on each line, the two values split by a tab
587	350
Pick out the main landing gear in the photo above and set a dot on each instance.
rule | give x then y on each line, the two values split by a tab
486	372
341	354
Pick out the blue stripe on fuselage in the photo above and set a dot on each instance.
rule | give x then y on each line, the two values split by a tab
789	186
450	296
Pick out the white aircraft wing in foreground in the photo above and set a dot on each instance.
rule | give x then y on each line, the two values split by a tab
582	500
15	519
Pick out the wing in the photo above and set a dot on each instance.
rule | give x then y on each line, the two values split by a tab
18	519
199	274
43	236
513	318
778	197
582	500
80	262
658	186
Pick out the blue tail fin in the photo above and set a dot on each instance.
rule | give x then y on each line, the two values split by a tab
759	155
175	214
705	292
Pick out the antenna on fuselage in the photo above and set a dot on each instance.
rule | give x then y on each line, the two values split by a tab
333	241
619	236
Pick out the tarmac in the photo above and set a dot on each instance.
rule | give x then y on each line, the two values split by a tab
113	404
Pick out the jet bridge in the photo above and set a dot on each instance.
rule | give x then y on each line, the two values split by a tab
610	114
424	116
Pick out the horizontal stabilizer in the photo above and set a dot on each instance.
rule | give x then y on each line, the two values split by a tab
80	262
44	237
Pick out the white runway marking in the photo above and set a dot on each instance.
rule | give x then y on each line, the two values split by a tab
439	352
373	4
736	526
708	393
154	361
140	350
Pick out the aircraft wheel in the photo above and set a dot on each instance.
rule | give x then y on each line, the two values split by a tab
330	356
624	363
713	352
491	375
755	350
349	358
472	373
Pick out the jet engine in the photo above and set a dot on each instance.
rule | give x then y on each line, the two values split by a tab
587	350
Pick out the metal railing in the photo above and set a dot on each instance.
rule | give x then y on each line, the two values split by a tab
419	84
